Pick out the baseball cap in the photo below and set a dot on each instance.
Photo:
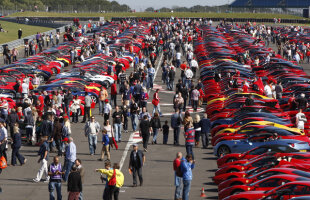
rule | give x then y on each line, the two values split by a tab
65	139
135	145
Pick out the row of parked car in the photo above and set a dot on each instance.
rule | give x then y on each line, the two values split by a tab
87	76
261	155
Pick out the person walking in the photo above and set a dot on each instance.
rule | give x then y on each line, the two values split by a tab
17	142
144	131
70	156
103	95
88	102
81	170
74	184
113	94
107	110
195	97
19	33
178	176
187	165
136	162
91	131
57	135
155	103
55	172
68	97
117	124
165	132
176	122
197	127
105	145
115	180
189	139
134	110
75	106
205	125
156	125
43	153
301	119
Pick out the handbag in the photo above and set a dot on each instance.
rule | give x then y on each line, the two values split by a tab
3	163
112	181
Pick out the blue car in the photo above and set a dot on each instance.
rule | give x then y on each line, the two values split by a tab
240	146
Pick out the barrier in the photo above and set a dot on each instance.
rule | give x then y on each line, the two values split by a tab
20	42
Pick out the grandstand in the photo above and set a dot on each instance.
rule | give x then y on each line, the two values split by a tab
271	4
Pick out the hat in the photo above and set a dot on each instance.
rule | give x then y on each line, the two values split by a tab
65	139
106	101
66	117
135	145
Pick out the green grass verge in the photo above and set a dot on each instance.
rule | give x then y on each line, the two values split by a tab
151	14
12	29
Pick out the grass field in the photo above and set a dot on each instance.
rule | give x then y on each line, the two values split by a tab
12	29
151	14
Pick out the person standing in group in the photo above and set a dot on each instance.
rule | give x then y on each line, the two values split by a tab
67	99
189	139
171	75
43	153
75	106
117	124
195	97
205	125
151	74
136	162
113	94
165	132
134	110
74	184
178	176
176	122
156	125
105	145
155	103
17	142
81	170
55	172
197	127
301	119
187	165
144	131
70	156
91	130
115	180
88	102
103	95
3	140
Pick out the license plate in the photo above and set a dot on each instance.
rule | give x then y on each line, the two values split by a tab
302	150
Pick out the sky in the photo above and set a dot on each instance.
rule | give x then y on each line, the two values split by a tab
140	5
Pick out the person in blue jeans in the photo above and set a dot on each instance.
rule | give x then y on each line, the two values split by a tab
91	131
55	173
117	123
187	165
156	125
70	157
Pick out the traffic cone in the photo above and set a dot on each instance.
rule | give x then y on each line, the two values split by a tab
203	194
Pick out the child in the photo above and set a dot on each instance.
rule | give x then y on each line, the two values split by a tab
165	132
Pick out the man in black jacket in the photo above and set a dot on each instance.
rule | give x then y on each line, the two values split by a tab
12	120
185	94
171	76
145	130
74	184
136	162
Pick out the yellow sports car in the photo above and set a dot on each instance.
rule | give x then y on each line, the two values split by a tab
236	95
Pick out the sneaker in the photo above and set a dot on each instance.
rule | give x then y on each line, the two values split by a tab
100	159
46	181
145	150
35	180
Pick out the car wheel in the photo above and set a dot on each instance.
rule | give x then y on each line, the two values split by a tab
107	84
94	99
223	150
236	191
231	160
54	70
41	78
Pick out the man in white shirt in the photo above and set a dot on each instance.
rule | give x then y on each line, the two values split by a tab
35	81
194	66
188	77
25	88
178	58
267	90
300	120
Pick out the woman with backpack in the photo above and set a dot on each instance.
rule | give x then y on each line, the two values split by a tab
156	125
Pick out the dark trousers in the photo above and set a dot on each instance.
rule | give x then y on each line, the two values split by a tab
189	150
125	125
205	140
176	135
75	117
86	113
110	191
116	193
165	138
113	99
3	151
15	153
134	175
184	104
195	104
145	138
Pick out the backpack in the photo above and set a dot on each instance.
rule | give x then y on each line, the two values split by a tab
179	120
112	181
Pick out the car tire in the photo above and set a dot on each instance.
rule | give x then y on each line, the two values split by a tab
54	70
223	150
94	98
107	84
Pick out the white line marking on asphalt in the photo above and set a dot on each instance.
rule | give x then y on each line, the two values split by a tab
131	139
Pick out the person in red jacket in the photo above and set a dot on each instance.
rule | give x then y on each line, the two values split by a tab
113	94
155	102
178	176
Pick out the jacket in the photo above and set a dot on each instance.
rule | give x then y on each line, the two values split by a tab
190	136
87	128
139	161
17	140
186	169
74	182
155	122
119	176
47	128
12	118
105	140
174	120
205	125
57	131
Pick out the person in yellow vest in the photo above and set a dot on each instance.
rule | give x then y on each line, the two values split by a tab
115	180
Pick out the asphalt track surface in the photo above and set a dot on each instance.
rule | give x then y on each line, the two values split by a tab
158	174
